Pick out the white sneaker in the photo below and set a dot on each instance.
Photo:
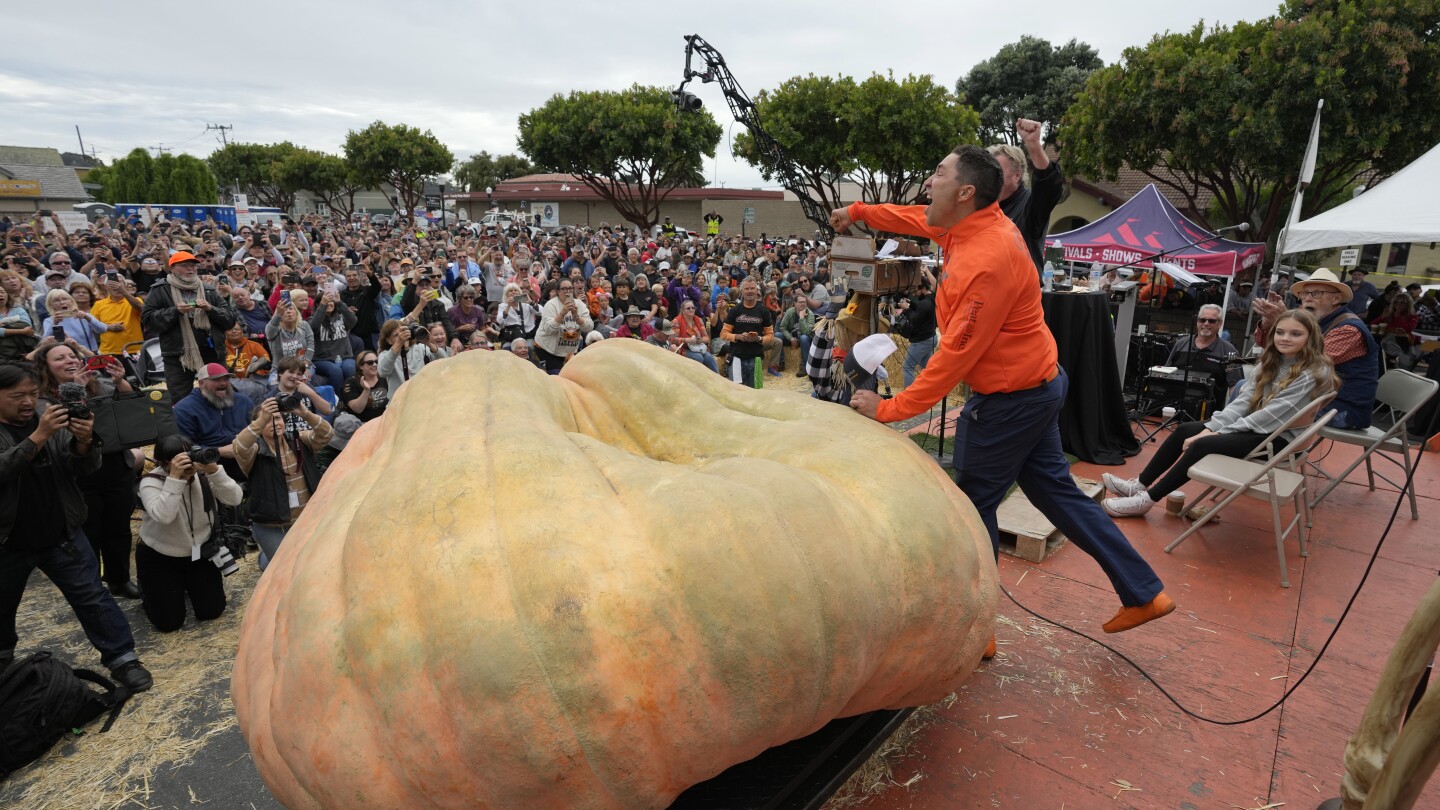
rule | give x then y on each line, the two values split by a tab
1122	486
1130	505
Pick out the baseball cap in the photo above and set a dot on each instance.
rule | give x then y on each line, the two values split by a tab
55	271
213	371
181	256
237	263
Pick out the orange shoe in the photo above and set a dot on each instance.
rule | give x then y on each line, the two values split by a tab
989	650
1131	617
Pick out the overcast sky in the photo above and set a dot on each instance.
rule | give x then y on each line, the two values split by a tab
133	75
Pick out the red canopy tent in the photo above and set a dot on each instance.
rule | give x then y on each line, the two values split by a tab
1146	225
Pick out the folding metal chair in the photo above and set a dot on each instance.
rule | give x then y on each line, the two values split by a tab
1400	394
1277	480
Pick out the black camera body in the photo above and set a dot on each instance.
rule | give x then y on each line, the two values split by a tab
205	455
288	402
73	400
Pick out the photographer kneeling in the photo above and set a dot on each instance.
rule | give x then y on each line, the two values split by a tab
277	453
174	558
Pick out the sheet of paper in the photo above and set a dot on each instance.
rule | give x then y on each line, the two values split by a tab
887	249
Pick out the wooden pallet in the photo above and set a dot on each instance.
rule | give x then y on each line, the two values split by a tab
1025	533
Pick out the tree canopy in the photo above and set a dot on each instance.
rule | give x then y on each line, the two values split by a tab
167	179
255	168
631	146
481	171
329	176
883	133
1031	79
1227	111
401	155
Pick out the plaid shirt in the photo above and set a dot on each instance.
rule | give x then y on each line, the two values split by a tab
819	366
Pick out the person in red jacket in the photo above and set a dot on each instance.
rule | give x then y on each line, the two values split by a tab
994	336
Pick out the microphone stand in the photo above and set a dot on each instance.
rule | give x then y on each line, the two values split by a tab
1162	254
1183	401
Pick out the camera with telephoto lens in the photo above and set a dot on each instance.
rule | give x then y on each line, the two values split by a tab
205	455
218	553
288	402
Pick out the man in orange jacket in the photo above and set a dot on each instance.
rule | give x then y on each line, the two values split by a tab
994	336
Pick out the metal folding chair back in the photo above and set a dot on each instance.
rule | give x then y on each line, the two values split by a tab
1400	395
1277	480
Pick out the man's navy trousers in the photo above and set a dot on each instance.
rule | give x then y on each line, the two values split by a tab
1002	439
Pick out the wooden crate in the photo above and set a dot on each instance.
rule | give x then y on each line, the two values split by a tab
1025	533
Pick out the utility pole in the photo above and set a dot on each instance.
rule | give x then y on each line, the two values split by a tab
223	128
82	140
160	149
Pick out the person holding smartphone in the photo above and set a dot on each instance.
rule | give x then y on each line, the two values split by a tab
119	307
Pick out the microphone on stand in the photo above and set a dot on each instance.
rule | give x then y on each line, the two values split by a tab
1241	228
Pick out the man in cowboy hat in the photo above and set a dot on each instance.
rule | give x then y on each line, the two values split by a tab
635	325
1347	342
1009	429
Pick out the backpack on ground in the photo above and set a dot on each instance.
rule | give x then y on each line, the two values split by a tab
42	699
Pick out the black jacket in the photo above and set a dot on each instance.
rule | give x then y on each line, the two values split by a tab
269	500
1029	208
161	319
66	468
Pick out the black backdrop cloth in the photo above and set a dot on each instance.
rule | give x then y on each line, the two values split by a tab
1093	424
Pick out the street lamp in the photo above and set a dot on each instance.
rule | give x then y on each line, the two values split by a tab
489	197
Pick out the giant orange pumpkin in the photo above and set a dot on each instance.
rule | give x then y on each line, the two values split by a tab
597	589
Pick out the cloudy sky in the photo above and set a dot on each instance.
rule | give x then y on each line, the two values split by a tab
142	75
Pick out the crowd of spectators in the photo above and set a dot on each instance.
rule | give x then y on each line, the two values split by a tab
275	342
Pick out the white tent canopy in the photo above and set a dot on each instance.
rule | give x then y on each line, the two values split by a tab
1400	209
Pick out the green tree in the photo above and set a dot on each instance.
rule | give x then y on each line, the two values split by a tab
167	179
132	176
807	117
254	168
882	133
1031	79
329	176
899	130
1226	112
481	171
192	181
104	177
631	147
400	155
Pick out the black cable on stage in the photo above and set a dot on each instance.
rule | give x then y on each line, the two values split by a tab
1399	502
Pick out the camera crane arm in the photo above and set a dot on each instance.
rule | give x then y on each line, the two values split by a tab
743	108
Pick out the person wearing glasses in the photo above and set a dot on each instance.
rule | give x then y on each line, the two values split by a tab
1206	344
1204	353
367	393
1348	343
564	323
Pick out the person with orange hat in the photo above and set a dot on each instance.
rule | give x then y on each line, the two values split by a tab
994	336
190	320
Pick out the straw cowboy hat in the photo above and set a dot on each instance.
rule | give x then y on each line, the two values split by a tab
1324	279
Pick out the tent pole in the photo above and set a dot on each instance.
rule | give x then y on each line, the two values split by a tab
1307	174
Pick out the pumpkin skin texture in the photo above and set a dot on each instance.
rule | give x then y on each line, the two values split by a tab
566	600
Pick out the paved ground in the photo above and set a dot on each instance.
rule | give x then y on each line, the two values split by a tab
1056	720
